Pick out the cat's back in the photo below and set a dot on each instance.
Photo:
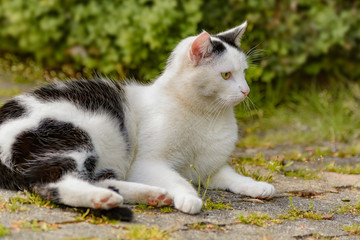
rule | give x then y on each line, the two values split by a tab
86	109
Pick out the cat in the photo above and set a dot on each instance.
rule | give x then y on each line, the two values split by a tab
98	143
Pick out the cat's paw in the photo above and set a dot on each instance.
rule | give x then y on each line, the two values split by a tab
157	196
261	190
106	200
256	190
188	203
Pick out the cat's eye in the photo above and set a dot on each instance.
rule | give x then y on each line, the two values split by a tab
226	75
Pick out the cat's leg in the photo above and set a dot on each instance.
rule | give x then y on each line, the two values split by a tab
227	178
75	192
159	174
137	192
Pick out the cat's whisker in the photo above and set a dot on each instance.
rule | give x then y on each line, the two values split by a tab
252	49
214	115
248	109
255	107
219	109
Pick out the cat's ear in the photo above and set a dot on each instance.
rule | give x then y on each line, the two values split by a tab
233	35
200	48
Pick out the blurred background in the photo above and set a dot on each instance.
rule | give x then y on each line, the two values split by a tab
304	56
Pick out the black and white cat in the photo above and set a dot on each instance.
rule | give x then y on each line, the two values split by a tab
99	143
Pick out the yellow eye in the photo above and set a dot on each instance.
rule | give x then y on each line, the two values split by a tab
226	75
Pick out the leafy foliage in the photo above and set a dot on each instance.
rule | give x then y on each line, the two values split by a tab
301	40
127	37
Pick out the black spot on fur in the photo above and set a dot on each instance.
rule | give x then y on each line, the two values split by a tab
37	153
48	170
229	39
10	179
11	110
105	174
48	193
90	164
88	170
117	213
51	136
96	95
218	47
114	189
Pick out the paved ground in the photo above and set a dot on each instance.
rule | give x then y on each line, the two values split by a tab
325	194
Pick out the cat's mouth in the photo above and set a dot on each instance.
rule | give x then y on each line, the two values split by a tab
235	100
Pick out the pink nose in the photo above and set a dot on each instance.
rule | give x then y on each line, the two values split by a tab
245	92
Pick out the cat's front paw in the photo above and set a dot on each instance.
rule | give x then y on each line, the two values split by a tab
158	197
106	200
257	190
188	203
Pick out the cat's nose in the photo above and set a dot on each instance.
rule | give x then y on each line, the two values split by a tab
245	92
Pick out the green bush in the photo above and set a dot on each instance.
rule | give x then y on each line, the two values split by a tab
302	41
294	42
129	37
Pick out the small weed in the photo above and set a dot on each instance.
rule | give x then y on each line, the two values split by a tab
18	202
258	219
333	167
317	236
12	206
4	231
304	174
90	218
199	182
349	209
166	209
144	232
352	229
36	226
33	199
207	227
351	150
210	205
143	208
254	174
294	213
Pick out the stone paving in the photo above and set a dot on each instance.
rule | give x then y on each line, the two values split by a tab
324	195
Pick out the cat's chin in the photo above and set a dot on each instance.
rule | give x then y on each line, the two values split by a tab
237	101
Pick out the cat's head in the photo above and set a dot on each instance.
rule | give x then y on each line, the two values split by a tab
212	66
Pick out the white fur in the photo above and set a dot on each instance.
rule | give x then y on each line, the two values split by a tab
78	193
185	118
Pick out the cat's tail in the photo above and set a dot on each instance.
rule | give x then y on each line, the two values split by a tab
118	213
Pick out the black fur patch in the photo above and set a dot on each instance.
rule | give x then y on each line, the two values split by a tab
117	213
218	47
105	174
51	136
87	173
114	189
10	179
96	95
90	164
11	110
48	170
229	39
48	193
